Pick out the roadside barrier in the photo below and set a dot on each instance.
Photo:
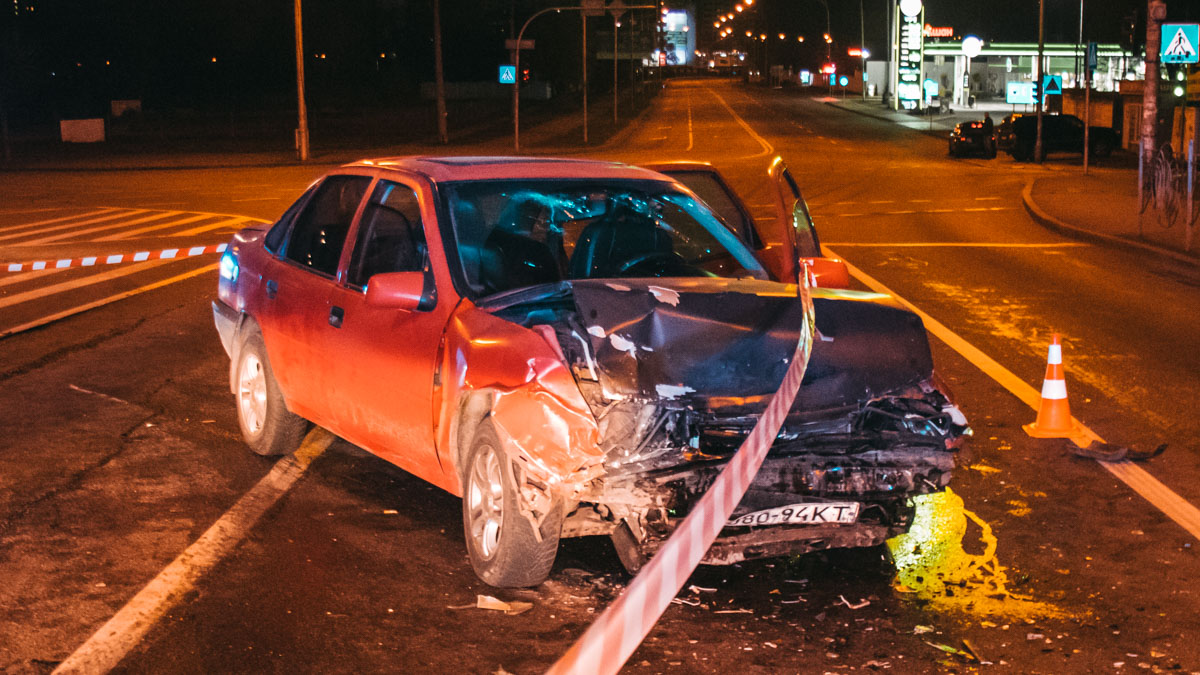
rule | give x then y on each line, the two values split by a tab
614	636
89	261
1054	413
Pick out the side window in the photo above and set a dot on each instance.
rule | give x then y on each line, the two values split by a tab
321	228
391	237
709	188
279	230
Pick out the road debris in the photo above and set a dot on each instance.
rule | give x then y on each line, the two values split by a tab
743	610
1111	452
860	605
919	629
685	601
488	602
955	651
701	589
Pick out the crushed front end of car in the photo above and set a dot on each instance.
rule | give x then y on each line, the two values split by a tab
676	373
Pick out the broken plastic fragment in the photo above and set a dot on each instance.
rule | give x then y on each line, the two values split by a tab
618	287
667	295
510	608
672	390
622	345
598	331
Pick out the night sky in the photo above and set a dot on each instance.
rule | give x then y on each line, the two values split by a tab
71	54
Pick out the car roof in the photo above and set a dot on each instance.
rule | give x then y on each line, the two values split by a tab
462	168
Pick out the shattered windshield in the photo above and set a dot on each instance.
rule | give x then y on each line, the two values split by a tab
512	234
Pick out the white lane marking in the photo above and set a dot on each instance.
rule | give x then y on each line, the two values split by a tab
151	228
689	107
986	199
907	212
1162	497
101	216
115	273
920	201
214	226
108	645
762	142
956	244
258	199
100	228
882	201
26	276
42	321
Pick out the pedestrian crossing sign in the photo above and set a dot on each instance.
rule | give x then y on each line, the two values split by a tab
1052	85
1180	42
508	74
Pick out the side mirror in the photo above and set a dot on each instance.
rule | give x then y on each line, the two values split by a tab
399	290
827	272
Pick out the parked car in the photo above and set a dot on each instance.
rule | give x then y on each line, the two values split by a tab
972	138
575	348
1060	133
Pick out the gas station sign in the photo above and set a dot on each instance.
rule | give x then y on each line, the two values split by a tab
911	47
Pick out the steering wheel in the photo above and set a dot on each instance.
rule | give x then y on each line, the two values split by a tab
663	260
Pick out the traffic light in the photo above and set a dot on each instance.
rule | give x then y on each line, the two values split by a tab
1037	90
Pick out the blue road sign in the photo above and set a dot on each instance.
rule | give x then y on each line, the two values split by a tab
508	74
1093	54
1019	93
1179	43
843	80
1051	85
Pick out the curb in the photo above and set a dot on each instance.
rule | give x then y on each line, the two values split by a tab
1050	222
933	133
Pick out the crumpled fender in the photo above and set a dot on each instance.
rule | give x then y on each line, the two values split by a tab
537	409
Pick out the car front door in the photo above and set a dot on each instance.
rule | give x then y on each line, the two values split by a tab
382	376
296	287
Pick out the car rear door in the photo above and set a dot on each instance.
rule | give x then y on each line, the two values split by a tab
384	359
296	287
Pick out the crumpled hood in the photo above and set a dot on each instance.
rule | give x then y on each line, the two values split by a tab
669	338
707	338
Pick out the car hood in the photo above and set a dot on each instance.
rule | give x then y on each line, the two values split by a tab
706	342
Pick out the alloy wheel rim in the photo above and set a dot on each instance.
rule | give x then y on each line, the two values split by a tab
252	393
485	502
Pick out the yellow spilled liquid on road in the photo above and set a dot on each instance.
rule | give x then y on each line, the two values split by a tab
933	565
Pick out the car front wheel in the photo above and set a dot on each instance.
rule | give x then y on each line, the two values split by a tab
268	427
502	543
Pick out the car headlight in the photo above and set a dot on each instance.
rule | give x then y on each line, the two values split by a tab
229	267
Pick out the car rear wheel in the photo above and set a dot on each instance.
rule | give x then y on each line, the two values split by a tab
502	543
267	425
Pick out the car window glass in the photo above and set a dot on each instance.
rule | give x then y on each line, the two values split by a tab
391	237
806	234
515	234
277	232
715	194
321	228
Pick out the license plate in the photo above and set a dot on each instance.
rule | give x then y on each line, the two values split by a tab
801	514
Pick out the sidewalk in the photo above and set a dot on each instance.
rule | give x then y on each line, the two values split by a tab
1102	206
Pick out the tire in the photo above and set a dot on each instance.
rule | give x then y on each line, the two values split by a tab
501	542
267	425
1022	151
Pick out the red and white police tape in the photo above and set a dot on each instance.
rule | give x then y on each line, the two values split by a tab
613	637
89	261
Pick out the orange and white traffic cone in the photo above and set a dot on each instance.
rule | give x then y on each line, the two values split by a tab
1054	414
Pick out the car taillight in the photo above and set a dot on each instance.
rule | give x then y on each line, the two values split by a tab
229	267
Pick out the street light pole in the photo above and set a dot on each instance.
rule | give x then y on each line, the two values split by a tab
1037	146
302	122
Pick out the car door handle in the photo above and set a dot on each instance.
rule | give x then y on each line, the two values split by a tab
272	288
336	314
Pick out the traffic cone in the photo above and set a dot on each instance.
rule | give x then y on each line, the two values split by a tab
1054	414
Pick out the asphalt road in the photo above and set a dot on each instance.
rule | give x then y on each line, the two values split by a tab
120	446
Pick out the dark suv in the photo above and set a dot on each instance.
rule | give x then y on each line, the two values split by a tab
1060	133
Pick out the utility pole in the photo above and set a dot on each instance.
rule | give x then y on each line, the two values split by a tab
1041	89
1156	11
302	123
439	80
585	82
862	44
